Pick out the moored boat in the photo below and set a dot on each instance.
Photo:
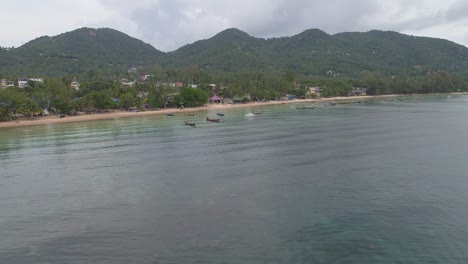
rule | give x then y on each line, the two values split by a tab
305	107
212	119
190	124
220	114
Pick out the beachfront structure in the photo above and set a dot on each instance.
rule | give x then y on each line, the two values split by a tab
171	100
75	85
358	91
176	84
215	99
235	100
22	82
127	82
146	77
133	69
4	83
287	97
36	80
314	90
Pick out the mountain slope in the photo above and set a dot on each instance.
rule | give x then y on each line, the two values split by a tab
82	49
312	52
393	52
228	51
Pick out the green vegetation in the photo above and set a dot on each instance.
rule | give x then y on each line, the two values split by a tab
86	51
14	102
101	95
190	97
315	53
89	53
232	64
96	101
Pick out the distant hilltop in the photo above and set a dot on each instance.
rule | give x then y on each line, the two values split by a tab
313	52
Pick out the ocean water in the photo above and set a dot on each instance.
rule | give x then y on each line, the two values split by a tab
376	182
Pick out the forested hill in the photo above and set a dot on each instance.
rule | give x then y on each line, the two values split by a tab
311	53
98	51
314	52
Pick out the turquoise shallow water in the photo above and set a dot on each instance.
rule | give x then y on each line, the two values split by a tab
380	182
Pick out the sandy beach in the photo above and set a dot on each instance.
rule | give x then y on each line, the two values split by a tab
124	114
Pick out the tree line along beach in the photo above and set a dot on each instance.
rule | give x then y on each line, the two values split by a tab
54	119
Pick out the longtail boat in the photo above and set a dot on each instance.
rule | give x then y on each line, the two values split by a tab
190	124
212	119
220	114
305	107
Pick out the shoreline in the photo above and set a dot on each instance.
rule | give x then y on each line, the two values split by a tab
124	114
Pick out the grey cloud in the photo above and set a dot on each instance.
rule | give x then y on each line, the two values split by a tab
417	23
332	16
457	11
170	24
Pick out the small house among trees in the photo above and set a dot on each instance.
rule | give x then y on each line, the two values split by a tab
358	91
215	99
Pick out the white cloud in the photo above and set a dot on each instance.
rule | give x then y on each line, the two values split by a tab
169	24
25	20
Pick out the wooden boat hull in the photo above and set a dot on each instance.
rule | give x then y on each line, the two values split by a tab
192	124
212	120
304	108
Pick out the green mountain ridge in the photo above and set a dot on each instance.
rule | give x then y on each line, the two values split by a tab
78	51
310	53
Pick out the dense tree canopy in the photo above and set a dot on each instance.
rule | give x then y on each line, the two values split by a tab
103	93
190	97
89	53
15	102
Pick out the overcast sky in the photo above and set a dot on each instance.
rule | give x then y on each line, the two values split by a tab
170	24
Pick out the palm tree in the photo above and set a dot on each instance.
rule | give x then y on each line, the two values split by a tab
4	113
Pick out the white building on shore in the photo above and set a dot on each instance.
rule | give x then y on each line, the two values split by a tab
22	82
75	85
